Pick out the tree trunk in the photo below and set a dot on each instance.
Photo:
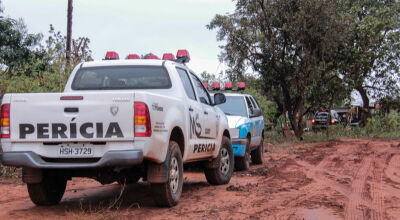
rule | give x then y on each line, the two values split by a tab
365	111
69	33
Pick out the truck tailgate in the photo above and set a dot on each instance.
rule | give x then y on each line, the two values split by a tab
72	117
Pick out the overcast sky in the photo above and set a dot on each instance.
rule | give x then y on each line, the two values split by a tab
129	26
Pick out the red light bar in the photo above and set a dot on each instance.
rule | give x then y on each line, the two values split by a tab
133	57
205	85
168	56
112	55
71	98
241	85
216	86
323	110
183	56
152	57
228	86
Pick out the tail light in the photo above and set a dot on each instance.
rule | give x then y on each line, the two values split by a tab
71	98
5	121
313	121
142	120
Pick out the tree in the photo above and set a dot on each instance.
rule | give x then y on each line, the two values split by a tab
69	32
373	55
291	43
207	77
17	46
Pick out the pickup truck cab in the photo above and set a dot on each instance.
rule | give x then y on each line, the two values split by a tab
246	124
118	120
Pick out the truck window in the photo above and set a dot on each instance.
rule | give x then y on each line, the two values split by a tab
186	83
121	77
234	105
249	105
258	105
204	97
253	102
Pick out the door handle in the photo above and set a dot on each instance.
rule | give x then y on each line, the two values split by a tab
190	109
71	110
206	113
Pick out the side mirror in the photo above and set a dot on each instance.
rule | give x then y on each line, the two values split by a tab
256	113
219	98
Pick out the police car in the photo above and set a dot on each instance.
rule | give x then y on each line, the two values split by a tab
118	120
246	125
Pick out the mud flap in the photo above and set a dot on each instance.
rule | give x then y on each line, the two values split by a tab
32	176
157	173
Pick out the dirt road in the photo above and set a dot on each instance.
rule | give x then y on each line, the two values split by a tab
347	179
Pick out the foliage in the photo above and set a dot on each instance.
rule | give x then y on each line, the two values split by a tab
372	56
291	44
17	47
208	77
390	103
268	107
377	127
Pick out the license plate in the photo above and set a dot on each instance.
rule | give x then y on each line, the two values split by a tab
76	150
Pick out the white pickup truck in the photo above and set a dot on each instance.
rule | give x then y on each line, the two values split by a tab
118	120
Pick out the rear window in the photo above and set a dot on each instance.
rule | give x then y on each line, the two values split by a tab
121	77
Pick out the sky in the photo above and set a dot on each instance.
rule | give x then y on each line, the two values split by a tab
132	26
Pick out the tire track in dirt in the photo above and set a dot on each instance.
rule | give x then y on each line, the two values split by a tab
316	173
355	208
376	192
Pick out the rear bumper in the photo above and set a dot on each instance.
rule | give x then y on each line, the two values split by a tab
239	147
110	159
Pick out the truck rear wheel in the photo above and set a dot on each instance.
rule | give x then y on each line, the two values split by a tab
168	194
49	191
257	155
223	173
243	163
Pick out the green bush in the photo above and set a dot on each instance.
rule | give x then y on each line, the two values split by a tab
377	126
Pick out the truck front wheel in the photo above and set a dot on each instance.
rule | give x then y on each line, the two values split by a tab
223	172
243	163
257	155
168	194
49	191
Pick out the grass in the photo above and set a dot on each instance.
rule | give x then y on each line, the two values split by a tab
108	210
335	133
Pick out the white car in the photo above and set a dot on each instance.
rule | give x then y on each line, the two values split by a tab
118	120
246	124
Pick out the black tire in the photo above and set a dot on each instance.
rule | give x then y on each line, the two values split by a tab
168	194
257	155
223	173
243	163
49	191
